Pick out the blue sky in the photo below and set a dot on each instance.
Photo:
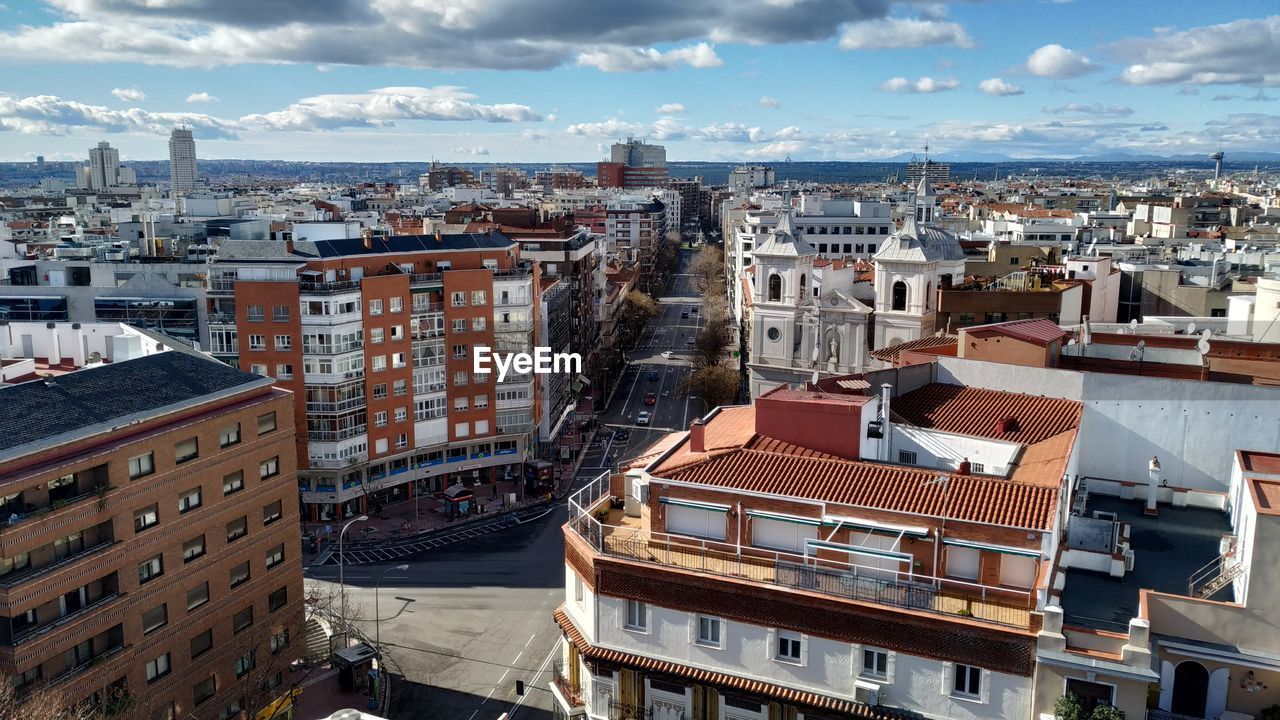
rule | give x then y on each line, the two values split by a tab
558	80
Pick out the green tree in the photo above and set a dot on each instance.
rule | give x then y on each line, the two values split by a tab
1068	707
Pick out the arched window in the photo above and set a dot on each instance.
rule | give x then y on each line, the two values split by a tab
899	295
775	288
802	281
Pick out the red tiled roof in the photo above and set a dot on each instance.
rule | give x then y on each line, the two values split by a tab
975	411
873	485
711	677
890	353
1038	330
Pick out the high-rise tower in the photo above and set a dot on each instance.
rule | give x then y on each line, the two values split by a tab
182	161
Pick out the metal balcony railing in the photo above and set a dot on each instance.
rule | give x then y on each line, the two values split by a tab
15	579
336	435
314	287
33	633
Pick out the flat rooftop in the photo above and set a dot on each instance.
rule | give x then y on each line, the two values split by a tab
1167	549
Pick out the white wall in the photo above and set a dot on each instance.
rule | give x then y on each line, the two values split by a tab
830	667
580	612
946	450
1044	382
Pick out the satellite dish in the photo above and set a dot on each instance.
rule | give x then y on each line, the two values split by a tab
1191	328
1071	342
1133	326
1203	346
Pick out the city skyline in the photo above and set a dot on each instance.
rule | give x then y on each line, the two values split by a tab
489	83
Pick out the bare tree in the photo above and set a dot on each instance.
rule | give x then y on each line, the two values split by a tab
51	704
708	267
717	384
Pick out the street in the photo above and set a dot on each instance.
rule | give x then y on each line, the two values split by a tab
467	620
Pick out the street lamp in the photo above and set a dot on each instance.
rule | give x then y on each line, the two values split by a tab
702	400
342	586
377	616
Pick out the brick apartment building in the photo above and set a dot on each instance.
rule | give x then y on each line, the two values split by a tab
377	335
151	550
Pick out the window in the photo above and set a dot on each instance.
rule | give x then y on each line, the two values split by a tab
907	457
460	377
577	589
478	324
167	712
400	387
233	710
229	435
977	467
380	391
376	335
141	466
402	414
266	423
269	468
284	371
244	664
397	304
145	518
637	615
237	529
275	555
397	332
458	299
379	363
967	681
271	513
192	549
790	646
459	325
158	668
481	401
189	500
151	569
1090	694
962	562
258	369
233	483
402	441
478	297
284	342
775	288
205	689
460	403
278	599
239	574
375	307
459	352
1017	570
242	619
256	313
462	429
280	313
279	641
875	663
399	360
188	449
257	342
155	618
899	296
197	596
708	631
380	418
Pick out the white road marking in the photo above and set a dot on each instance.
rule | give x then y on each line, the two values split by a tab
555	647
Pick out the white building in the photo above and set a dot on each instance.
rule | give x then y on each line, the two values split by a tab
911	266
182	161
104	166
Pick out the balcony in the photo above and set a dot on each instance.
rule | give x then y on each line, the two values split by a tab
331	348
520	326
26	575
623	538
21	638
336	435
426	280
98	659
327	287
572	693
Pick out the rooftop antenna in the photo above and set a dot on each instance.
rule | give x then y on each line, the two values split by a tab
1203	345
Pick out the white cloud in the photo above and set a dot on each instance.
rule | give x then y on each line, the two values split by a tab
475	150
201	97
1094	109
613	127
770	102
731	132
920	85
892	33
383	106
999	87
52	115
1245	51
130	94
669	109
619	58
1056	61
777	150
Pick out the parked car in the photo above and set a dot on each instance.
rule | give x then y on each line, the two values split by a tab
622	435
667	354
643	418
650	399
653	376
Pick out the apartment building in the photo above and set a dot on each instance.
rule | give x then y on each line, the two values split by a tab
150	557
817	555
634	226
378	335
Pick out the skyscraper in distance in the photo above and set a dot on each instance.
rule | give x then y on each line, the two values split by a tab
104	166
182	161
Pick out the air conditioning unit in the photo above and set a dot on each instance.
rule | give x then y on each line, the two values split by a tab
500	430
866	694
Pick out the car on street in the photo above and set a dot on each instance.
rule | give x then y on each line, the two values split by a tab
666	354
650	399
622	435
643	418
653	375
684	316
693	310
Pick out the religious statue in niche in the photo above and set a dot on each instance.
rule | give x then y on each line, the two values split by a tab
833	351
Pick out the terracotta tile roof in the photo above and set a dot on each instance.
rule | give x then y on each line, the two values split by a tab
1039	331
710	677
975	411
873	485
891	353
729	428
1045	462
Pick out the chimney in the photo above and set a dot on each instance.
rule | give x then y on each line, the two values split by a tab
288	245
1153	486
1086	332
697	436
1007	425
439	237
367	235
885	391
966	468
